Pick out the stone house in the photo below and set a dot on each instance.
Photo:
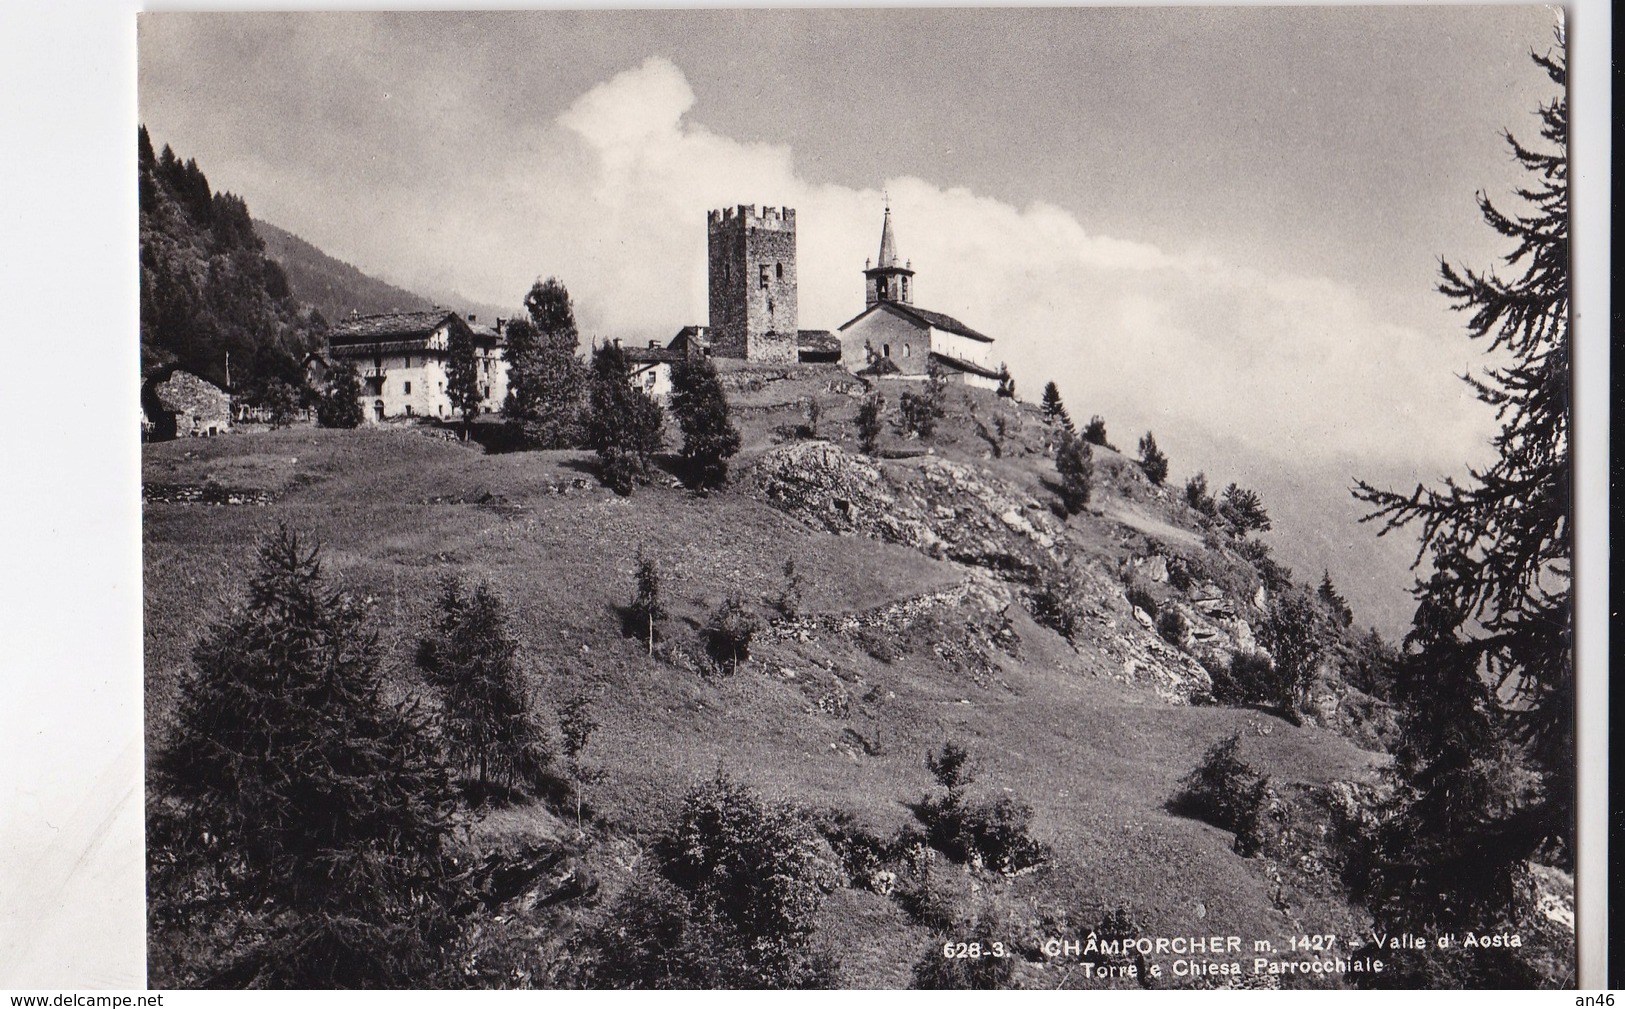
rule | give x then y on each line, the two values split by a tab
185	406
402	359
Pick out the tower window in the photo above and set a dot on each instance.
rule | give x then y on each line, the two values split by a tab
778	269
408	388
764	276
905	288
905	350
887	348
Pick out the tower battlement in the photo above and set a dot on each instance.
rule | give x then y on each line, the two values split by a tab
749	216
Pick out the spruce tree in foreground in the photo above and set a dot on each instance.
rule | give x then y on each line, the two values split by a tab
469	656
1488	676
311	835
625	424
701	408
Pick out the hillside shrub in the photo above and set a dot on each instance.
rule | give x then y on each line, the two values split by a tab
1251	679
1053	604
945	966
1139	595
732	900
919	412
1173	627
1152	461
728	635
871	413
1229	793
1199	498
1095	431
648	607
625	424
993	834
788	599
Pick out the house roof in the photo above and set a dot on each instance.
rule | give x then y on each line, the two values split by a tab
820	341
922	316
185	392
398	326
966	366
653	355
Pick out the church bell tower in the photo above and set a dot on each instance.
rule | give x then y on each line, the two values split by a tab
886	280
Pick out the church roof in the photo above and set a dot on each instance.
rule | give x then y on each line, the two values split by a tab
923	317
959	365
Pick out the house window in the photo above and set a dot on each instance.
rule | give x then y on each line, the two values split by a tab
409	360
378	410
764	276
407	388
905	350
409	409
778	270
887	348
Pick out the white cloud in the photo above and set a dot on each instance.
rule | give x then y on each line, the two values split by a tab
612	197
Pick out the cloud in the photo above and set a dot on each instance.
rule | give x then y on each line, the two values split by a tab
612	195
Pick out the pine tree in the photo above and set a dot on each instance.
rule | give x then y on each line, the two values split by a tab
1244	510
463	375
1007	385
546	377
468	654
1334	600
312	809
625	424
1054	409
1152	461
1095	431
701	408
1491	647
1074	461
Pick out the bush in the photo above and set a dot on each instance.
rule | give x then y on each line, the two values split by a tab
732	902
788	599
1251	679
992	834
1052	605
1095	431
1229	793
1139	595
728	635
1197	496
944	966
1173	627
1152	461
625	425
870	422
340	405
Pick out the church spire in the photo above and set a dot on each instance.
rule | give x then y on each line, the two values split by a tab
888	280
888	244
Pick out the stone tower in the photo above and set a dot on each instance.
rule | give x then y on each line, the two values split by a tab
753	283
885	280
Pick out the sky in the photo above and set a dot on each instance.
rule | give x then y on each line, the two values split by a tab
1222	225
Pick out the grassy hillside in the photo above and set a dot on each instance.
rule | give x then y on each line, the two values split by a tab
897	650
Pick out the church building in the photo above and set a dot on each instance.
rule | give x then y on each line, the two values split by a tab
894	337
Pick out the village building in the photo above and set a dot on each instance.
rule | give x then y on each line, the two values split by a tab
403	360
893	337
184	406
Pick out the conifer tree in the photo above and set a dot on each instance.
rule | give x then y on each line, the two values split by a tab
701	408
1095	431
469	655
625	424
1054	409
648	606
309	806
1152	461
1490	652
1007	384
1074	461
